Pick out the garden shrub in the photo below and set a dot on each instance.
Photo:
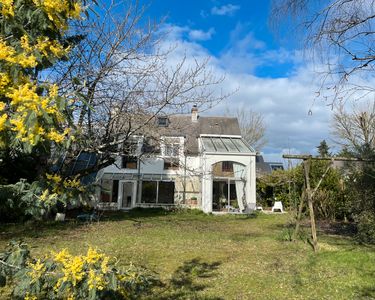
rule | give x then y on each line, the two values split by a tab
22	201
366	227
62	275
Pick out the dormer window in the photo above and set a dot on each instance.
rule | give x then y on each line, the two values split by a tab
162	121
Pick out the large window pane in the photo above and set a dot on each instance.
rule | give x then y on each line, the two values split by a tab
149	189
166	192
115	191
108	190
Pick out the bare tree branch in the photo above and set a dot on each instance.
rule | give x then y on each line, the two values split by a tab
252	125
123	79
341	35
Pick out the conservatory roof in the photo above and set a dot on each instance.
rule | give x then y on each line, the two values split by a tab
225	144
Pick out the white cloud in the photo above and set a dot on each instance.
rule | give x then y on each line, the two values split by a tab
200	35
284	102
225	10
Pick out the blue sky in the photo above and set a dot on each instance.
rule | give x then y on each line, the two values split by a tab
217	25
271	74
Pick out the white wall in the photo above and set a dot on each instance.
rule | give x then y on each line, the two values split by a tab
208	160
196	166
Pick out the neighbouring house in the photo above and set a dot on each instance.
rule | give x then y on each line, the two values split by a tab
264	168
196	161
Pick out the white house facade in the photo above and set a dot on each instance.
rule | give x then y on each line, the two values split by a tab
200	162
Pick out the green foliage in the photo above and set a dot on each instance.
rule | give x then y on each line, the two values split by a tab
330	200
244	248
280	185
366	227
64	276
323	149
360	193
22	201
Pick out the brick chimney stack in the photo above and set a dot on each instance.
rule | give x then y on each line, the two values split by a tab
194	114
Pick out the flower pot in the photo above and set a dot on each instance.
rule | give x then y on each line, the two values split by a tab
193	201
60	217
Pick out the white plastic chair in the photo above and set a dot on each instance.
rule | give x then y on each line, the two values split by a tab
278	205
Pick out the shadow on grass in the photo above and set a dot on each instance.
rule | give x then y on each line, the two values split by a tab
40	229
366	293
135	213
188	280
36	229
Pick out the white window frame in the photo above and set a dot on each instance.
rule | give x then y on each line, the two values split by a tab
177	145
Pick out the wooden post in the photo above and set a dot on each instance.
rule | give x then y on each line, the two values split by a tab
299	215
306	167
309	193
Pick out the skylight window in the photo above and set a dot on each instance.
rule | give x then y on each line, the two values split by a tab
162	121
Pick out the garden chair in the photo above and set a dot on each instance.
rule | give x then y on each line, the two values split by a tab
278	206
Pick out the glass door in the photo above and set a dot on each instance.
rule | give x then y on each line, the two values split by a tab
127	194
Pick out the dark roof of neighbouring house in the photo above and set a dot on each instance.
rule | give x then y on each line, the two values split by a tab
261	166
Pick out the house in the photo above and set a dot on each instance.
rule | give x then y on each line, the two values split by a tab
196	161
264	168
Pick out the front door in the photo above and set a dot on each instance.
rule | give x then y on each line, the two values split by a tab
127	194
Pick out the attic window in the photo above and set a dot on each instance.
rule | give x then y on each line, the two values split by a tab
162	121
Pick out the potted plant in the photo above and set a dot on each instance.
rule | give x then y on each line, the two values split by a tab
61	211
193	200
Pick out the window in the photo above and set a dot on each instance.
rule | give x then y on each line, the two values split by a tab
129	162
158	192
162	121
166	192
151	145
131	151
172	149
149	191
131	146
227	166
171	146
109	190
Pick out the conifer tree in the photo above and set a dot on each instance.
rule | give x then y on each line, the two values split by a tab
323	149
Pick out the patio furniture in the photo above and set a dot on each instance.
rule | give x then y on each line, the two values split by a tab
278	206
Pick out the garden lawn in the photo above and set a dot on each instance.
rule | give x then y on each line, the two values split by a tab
199	256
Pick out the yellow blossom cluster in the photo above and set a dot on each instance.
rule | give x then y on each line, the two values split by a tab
10	55
24	99
29	112
48	198
55	178
4	81
59	186
3	116
74	183
37	269
75	268
7	8
67	276
30	297
44	46
54	9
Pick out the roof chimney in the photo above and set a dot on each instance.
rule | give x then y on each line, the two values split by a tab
194	114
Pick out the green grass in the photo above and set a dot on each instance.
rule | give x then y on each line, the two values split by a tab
201	256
